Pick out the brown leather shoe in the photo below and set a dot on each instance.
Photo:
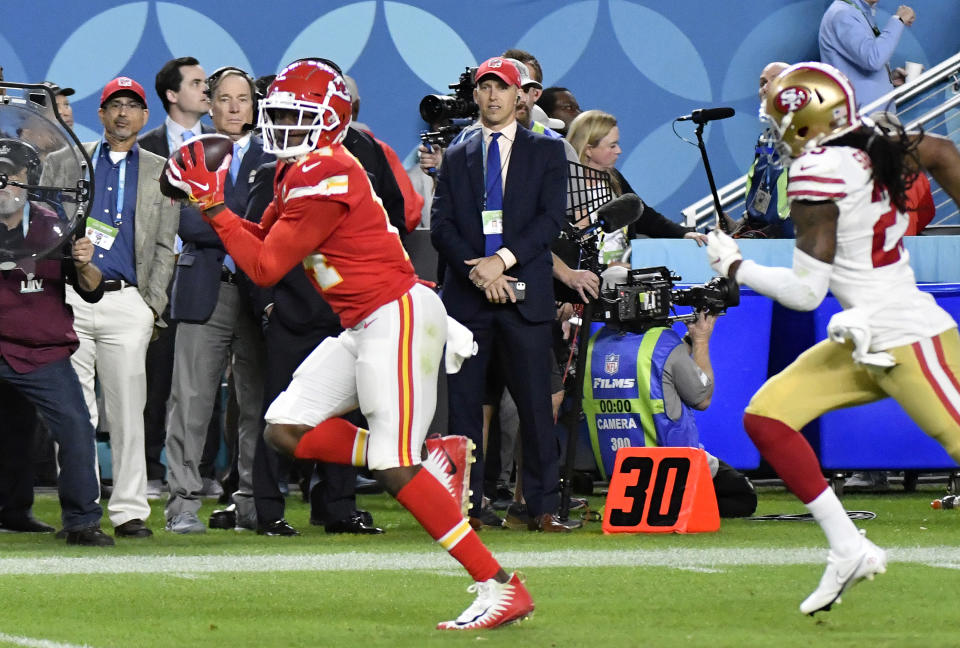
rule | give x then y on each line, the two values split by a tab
548	523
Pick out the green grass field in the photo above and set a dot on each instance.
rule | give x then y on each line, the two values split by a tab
738	587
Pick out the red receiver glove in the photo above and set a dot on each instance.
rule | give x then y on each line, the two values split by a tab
201	185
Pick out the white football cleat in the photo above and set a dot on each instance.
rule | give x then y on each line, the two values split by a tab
843	573
497	604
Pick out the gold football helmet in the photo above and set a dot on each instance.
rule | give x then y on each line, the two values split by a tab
808	104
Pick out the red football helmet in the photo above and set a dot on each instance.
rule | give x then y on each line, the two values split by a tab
308	98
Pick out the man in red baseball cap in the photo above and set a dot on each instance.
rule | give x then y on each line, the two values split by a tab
501	68
123	86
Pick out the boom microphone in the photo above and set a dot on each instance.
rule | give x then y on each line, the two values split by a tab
703	115
620	212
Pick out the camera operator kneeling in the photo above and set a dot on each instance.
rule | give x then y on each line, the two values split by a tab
674	376
688	374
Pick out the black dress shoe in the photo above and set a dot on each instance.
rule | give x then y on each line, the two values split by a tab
134	528
91	536
353	524
365	516
487	518
277	528
224	518
25	524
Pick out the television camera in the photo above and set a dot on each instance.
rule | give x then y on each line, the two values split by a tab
649	297
457	105
451	113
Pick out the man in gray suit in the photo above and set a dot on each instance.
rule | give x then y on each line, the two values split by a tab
132	226
217	325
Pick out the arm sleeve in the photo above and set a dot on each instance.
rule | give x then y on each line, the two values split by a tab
651	223
70	276
444	231
655	225
687	380
858	45
163	255
269	251
801	287
260	198
194	229
389	192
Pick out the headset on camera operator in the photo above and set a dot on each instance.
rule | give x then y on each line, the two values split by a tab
644	381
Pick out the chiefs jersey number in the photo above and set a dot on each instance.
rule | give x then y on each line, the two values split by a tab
324	274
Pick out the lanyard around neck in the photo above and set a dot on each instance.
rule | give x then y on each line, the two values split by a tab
873	25
121	183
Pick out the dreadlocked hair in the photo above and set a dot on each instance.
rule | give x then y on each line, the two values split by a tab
892	155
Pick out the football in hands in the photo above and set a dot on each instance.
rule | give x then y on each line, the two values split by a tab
215	148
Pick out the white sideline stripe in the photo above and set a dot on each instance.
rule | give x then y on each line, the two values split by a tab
37	643
440	561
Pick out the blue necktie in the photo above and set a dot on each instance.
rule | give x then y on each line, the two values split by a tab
493	242
187	134
235	162
234	169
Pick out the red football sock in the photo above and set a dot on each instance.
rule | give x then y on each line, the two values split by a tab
437	512
334	441
789	453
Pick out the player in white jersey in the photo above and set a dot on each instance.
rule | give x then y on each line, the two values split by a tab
871	268
847	186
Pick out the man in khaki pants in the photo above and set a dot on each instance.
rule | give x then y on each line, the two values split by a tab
132	226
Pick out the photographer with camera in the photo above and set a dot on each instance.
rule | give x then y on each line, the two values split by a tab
37	339
644	381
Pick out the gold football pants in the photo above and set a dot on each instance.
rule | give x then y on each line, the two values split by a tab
925	382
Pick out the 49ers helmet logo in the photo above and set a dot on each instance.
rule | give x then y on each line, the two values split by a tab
792	99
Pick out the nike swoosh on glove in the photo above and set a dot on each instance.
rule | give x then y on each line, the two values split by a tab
202	186
722	251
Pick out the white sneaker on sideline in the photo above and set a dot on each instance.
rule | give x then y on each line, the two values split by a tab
186	522
496	604
211	489
843	573
875	479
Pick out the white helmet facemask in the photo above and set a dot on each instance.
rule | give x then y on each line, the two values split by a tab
313	119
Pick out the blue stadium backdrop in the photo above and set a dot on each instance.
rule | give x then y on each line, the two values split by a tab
645	61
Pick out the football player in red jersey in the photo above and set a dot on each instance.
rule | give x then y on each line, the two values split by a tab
326	216
847	186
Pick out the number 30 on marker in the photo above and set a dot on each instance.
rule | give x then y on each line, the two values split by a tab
661	490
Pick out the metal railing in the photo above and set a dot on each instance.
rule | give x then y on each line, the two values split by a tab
931	101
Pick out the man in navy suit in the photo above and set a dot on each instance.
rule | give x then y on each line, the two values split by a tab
499	203
181	85
216	324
